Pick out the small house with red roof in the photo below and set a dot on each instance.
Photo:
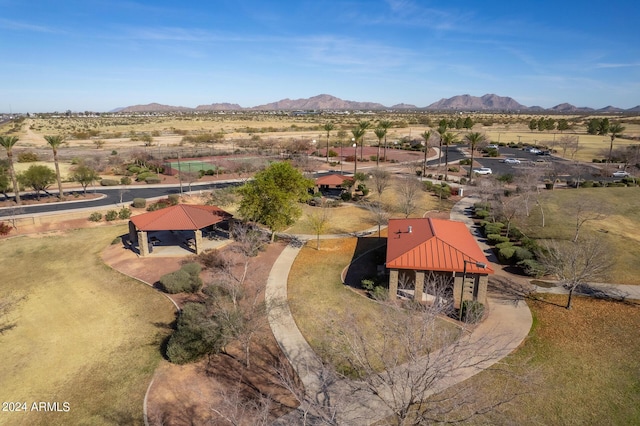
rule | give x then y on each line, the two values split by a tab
428	247
179	218
332	181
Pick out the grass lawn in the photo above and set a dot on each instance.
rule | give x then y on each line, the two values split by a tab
344	219
586	365
319	301
84	333
621	228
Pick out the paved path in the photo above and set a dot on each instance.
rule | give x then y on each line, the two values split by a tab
504	328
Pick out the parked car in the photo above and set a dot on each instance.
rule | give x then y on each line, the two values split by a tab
533	150
620	174
511	161
545	152
492	146
483	171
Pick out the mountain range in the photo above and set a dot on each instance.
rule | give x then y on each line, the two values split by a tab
486	103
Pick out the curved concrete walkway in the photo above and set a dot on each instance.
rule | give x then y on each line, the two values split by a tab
505	326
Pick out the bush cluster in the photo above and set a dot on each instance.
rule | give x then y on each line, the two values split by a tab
139	203
4	228
111	215
95	217
185	280
108	182
472	311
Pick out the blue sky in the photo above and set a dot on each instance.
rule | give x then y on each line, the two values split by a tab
98	55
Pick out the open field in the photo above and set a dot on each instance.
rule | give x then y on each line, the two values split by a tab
585	362
84	334
620	228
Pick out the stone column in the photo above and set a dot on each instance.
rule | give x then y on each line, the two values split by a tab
483	281
143	243
419	287
457	289
393	284
198	240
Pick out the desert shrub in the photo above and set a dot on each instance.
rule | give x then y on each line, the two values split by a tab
134	168
504	245
192	337
184	280
27	157
346	196
108	182
111	215
160	204
142	176
332	153
472	311
515	233
116	240
616	184
380	293
522	254
95	217
125	180
494	239
484	206
153	179
211	259
454	169
350	158
174	199
492	228
139	203
465	161
4	228
124	213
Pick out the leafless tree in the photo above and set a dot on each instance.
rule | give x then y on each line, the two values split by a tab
526	181
190	177
380	213
568	143
577	262
408	190
586	210
381	180
319	220
238	407
508	206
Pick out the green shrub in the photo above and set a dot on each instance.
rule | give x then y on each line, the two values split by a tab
465	161
522	254
192	338
95	217
481	214
142	176
472	311
492	227
116	240
108	182
139	203
160	204
380	293
174	199
125	180
368	284
531	267
153	179
346	196
504	245
184	280
124	213
111	215
484	206
506	253
494	239
135	169
454	169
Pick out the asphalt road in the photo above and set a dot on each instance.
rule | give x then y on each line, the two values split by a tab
112	197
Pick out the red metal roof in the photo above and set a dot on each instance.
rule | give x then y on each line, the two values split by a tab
182	217
433	245
332	180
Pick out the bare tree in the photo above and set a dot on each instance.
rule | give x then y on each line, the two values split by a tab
568	143
586	210
319	220
381	180
577	262
380	214
526	181
408	190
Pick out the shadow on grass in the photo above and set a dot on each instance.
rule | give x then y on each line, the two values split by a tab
369	253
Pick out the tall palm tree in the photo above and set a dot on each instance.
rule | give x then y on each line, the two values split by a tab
328	127
357	133
447	139
426	136
55	142
363	125
386	125
615	130
380	133
474	139
7	143
442	129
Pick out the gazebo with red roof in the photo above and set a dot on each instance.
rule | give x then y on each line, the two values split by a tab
181	217
440	246
331	181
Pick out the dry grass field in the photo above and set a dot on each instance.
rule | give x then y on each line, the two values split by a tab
84	334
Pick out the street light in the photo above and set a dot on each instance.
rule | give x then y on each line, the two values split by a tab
464	277
355	158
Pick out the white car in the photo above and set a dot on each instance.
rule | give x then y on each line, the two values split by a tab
492	146
620	174
511	161
483	171
533	150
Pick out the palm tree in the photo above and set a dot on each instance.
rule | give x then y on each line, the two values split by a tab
55	142
328	127
616	130
385	124
426	136
380	133
474	139
358	133
442	129
363	125
8	142
447	139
